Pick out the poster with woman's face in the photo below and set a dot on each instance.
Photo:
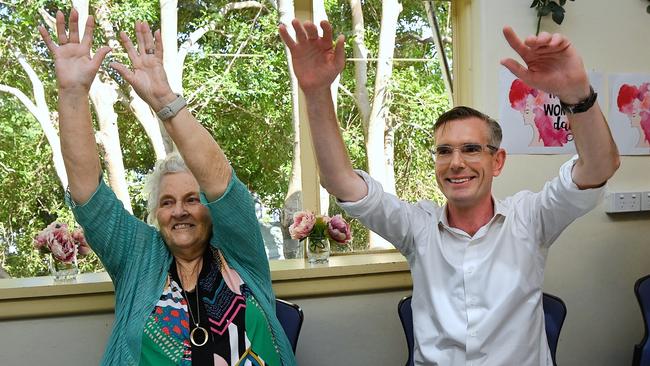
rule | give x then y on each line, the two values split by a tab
532	120
629	113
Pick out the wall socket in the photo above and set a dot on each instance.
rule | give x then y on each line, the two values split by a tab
645	201
625	201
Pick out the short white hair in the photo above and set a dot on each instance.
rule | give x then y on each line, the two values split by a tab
172	163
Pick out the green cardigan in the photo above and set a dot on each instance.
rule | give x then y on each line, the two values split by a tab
137	259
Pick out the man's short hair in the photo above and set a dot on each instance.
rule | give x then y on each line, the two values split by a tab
463	112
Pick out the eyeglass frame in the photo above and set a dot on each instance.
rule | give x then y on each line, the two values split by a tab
491	148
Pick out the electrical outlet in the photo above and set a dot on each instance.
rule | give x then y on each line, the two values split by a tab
623	202
645	201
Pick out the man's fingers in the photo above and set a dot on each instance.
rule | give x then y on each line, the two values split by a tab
311	30
327	31
47	39
73	26
301	36
514	41
60	28
286	37
539	40
516	68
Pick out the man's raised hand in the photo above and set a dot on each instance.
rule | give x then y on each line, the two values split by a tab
316	60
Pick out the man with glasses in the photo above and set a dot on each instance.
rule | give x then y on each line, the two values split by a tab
477	262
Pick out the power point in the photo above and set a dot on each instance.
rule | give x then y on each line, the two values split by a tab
623	202
645	201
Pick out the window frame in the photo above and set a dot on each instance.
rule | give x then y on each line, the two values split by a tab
388	270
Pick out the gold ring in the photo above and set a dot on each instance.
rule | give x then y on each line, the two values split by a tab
150	51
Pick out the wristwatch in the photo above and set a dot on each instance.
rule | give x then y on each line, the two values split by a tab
581	106
172	109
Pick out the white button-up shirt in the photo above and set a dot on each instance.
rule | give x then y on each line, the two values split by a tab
477	300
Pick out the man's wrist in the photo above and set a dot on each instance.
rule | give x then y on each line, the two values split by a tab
582	105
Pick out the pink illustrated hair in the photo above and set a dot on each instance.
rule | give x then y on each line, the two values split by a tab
550	136
627	94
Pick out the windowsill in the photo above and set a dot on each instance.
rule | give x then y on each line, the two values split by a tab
92	293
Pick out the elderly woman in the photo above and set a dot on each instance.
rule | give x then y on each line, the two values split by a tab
196	288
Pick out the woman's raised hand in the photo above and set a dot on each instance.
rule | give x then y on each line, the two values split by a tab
147	76
75	68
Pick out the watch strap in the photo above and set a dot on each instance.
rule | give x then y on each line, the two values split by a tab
583	105
172	109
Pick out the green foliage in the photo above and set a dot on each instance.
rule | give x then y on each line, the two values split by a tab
243	101
546	7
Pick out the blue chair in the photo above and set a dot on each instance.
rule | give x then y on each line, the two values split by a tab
290	317
641	356
406	316
554	315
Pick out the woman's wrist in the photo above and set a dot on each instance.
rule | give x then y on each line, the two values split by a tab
159	103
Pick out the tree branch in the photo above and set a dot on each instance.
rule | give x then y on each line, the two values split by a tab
49	20
194	37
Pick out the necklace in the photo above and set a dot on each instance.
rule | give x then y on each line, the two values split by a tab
198	314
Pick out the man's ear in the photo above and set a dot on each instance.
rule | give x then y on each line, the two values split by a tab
498	162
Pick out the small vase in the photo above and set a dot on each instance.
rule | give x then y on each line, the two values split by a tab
318	250
63	272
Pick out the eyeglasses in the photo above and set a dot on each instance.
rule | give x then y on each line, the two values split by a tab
469	152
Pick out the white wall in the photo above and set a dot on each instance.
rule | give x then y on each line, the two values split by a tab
346	330
594	264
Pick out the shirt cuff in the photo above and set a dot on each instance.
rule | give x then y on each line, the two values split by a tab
566	177
358	208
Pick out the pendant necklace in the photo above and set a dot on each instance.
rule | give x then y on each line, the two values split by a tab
196	323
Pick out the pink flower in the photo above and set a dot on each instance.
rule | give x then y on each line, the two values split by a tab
64	246
64	249
83	248
303	223
339	230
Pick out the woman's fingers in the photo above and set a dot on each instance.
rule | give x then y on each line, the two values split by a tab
128	46
73	26
88	32
148	39
158	43
47	39
60	28
124	71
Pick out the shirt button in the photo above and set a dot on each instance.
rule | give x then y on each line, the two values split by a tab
472	334
470	270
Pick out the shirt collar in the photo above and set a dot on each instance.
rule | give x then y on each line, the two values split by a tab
499	210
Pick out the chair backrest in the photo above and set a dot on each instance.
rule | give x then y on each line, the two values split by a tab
641	356
554	315
406	316
290	317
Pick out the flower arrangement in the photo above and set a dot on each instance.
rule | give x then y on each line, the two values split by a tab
64	245
318	228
